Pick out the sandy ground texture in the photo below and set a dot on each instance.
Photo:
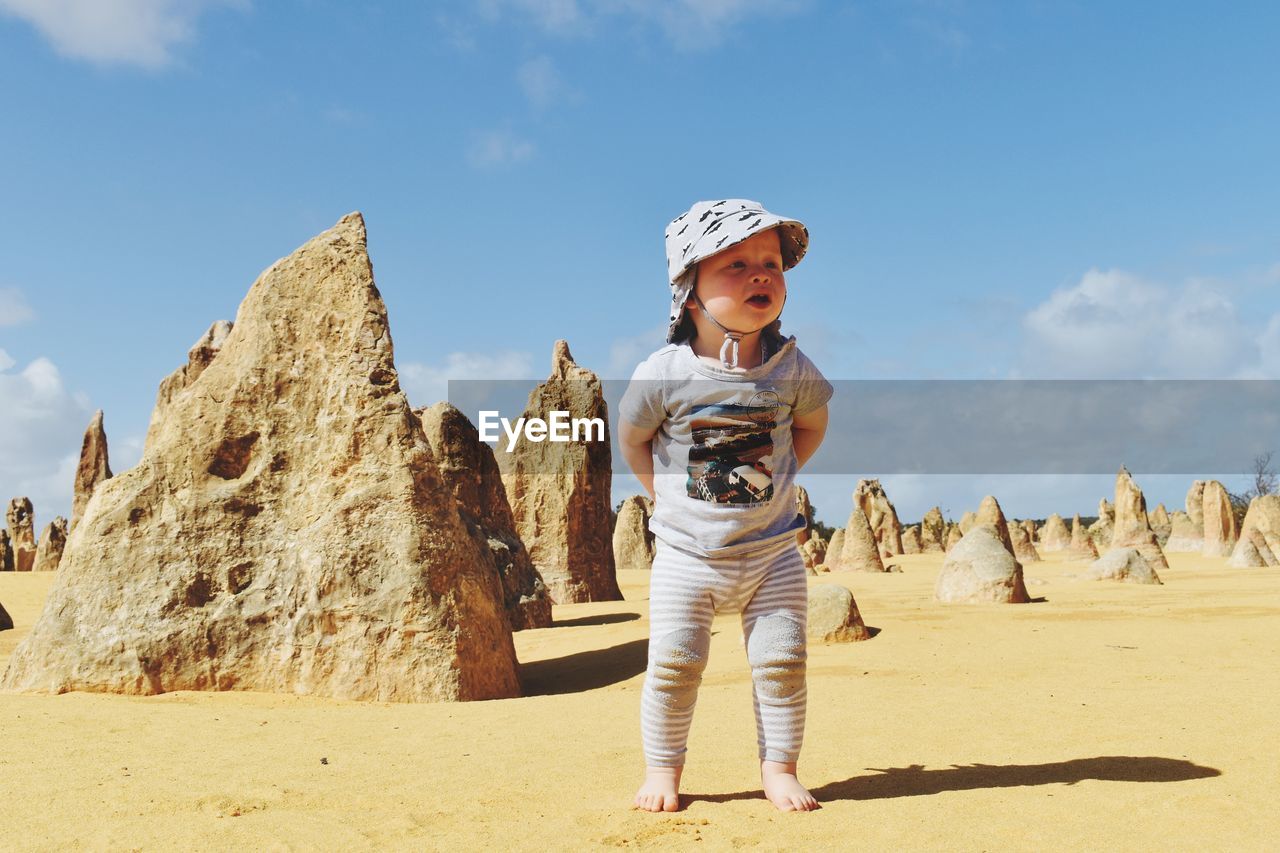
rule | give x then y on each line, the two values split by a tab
1104	716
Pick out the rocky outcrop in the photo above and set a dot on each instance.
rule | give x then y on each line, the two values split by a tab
1220	529
804	509
1132	528
1054	536
6	552
1161	524
981	569
953	537
1023	550
1195	503
287	528
966	522
859	551
469	470
911	540
634	544
20	517
1184	536
560	491
883	518
835	546
1103	529
1124	564
1259	542
990	515
933	532
1030	526
199	357
814	554
94	466
6	621
52	542
834	616
1081	547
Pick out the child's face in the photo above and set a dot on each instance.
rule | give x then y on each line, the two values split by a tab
742	286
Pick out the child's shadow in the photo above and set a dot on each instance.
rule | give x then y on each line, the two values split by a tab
915	781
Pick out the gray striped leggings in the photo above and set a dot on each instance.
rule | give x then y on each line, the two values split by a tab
685	592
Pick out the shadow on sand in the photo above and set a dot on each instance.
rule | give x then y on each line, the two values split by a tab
584	670
602	619
916	781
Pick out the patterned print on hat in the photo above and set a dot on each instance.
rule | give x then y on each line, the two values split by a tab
713	226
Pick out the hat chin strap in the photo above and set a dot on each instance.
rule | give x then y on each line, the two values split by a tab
731	338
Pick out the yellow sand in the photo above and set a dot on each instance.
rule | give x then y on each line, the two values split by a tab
1109	716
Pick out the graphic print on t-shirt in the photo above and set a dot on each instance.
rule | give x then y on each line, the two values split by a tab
731	460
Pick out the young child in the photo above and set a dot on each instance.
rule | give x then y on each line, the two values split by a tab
715	425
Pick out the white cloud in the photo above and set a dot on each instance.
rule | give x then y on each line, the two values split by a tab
626	353
497	148
131	32
40	437
14	309
541	82
425	384
1113	324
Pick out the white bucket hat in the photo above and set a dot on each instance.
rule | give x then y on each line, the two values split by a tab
713	226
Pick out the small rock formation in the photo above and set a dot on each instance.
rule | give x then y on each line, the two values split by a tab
966	522
1161	523
933	532
469	470
834	616
52	542
1195	503
6	621
990	515
1081	547
287	529
858	552
953	537
981	569
835	546
6	552
1123	564
1184	536
804	509
633	543
880	513
94	466
1054	536
1259	542
911	540
1132	528
1023	550
1220	530
1103	529
559	491
1030	526
22	536
814	554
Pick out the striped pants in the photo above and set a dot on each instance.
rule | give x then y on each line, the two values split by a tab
685	592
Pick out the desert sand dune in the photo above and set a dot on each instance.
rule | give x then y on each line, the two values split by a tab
1102	715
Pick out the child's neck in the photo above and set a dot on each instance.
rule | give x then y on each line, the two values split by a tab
749	349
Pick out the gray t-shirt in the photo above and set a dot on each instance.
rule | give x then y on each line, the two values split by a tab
724	466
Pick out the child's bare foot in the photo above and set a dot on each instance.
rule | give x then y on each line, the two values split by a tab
783	788
661	789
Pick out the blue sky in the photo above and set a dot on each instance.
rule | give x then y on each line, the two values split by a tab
993	190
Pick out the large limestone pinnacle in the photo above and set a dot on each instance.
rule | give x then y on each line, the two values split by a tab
94	466
286	530
559	491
